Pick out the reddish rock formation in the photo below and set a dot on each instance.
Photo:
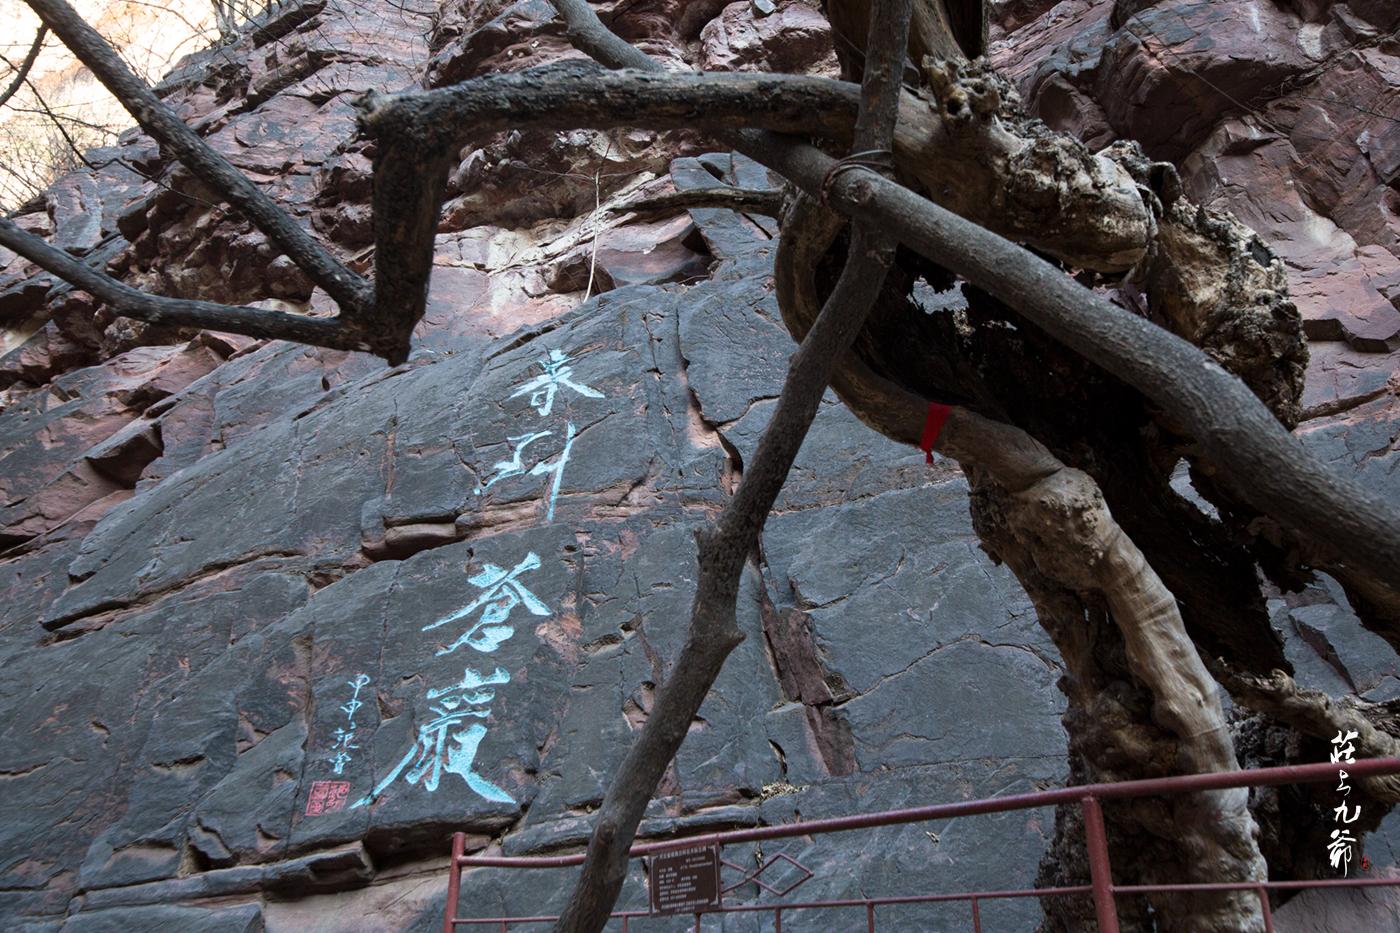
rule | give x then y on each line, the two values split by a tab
1283	114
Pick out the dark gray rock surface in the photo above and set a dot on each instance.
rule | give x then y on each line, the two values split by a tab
216	626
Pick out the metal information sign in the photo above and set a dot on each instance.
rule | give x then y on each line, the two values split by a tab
685	881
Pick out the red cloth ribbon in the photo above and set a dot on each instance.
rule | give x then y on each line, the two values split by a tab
933	423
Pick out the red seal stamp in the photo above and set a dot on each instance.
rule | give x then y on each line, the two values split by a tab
327	797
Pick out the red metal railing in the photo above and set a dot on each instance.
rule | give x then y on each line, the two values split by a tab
1088	796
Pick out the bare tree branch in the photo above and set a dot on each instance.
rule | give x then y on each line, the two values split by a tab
54	116
745	200
253	322
589	35
1061	521
410	181
1258	460
724	549
349	290
418	136
1055	530
55	119
575	94
22	71
955	147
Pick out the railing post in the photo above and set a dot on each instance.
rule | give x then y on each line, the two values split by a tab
976	918
454	881
870	916
777	920
1264	909
1100	871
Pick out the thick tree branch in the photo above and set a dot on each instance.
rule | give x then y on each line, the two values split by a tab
589	35
349	290
409	184
418	136
1064	523
972	167
22	71
745	200
971	164
253	322
1151	624
576	94
1143	709
1063	535
725	548
950	29
1105	223
1257	458
880	90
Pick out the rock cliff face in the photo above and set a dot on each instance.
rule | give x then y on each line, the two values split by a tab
277	620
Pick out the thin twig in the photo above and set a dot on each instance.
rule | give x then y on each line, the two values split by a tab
22	72
597	209
57	121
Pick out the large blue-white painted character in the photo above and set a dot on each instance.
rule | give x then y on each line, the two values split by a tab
542	390
505	469
557	468
557	372
448	741
501	593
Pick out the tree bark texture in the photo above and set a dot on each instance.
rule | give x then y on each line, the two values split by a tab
768	203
